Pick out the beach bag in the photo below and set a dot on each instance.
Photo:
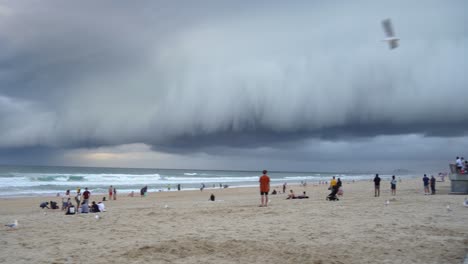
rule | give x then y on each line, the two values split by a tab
71	210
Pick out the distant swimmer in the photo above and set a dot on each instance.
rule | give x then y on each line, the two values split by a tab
391	39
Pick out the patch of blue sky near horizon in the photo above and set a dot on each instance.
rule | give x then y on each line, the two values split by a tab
159	72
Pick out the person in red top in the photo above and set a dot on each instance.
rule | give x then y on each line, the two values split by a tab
264	188
86	196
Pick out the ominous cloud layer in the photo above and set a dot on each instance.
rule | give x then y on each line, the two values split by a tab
182	76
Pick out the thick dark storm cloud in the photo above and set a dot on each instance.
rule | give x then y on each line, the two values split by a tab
184	76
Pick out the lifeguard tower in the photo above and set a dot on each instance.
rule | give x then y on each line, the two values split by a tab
459	182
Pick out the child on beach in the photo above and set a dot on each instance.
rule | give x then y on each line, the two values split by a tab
111	191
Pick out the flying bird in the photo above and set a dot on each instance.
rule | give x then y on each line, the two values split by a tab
391	39
14	225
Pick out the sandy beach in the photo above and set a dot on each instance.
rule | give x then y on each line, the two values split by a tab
360	228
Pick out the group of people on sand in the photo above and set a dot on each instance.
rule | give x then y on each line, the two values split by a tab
429	183
336	187
264	181
82	203
462	165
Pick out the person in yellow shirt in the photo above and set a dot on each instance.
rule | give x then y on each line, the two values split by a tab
332	183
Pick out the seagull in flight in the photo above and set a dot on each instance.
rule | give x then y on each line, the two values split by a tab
14	225
391	39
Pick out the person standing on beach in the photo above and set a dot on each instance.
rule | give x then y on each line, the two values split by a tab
264	188
284	188
115	193
78	198
432	183
393	183
376	185
426	185
111	191
143	191
86	196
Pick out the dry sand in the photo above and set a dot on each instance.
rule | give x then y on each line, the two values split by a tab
359	228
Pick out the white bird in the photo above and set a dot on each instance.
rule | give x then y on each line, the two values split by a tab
448	208
166	206
97	217
14	225
391	39
387	202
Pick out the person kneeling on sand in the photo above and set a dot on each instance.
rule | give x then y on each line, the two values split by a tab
44	205
291	195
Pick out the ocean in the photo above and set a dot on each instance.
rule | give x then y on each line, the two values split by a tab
21	181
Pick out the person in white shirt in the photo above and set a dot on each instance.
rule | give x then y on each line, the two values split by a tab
459	164
101	206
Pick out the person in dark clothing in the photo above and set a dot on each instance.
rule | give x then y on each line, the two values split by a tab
432	183
377	185
53	205
143	191
338	184
44	205
212	197
426	185
94	208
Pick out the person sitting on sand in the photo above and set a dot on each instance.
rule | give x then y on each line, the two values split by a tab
84	208
212	198
94	207
274	192
302	196
291	194
102	207
53	205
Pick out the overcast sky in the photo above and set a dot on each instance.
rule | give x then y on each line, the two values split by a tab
307	85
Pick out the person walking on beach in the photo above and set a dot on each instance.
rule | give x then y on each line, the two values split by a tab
264	188
393	183
426	185
432	184
111	191
332	183
284	187
115	193
376	185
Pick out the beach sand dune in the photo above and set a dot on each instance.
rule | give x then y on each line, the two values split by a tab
360	228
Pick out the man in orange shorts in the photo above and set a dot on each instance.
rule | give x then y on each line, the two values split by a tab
264	188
